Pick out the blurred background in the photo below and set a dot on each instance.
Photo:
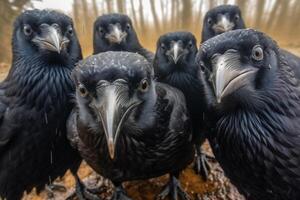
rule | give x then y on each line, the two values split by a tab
151	18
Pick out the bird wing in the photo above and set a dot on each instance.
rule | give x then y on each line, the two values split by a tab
5	136
72	133
179	119
147	54
293	61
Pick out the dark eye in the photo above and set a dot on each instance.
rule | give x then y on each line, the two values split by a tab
163	46
257	53
191	44
128	26
70	30
236	17
101	30
27	30
143	87
82	90
209	21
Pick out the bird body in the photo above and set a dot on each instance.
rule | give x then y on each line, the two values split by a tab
254	113
34	106
174	64
152	139
115	32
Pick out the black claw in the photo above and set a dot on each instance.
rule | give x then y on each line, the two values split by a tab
54	187
174	190
120	194
84	193
202	167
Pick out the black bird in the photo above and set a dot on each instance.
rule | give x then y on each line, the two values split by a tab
115	32
221	19
127	126
34	103
174	64
254	115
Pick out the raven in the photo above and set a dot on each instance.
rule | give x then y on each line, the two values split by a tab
35	103
174	64
221	19
115	32
128	127
254	113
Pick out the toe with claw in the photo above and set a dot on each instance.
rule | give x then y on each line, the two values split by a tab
174	190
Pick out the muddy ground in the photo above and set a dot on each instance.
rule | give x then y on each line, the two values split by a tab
216	188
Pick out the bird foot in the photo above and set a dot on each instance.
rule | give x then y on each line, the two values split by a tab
82	192
51	188
173	189
120	194
201	166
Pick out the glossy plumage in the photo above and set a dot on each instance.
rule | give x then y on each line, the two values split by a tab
155	137
115	32
221	19
182	73
255	123
34	105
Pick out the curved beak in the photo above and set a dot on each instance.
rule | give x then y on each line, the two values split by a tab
176	52
223	25
229	75
116	35
112	111
51	38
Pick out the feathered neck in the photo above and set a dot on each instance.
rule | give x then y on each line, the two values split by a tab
34	82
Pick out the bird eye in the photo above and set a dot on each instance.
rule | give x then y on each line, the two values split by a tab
144	85
236	17
70	30
257	53
209	21
82	90
128	26
27	30
191	44
101	30
163	46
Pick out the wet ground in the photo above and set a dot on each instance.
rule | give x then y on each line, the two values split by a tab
217	187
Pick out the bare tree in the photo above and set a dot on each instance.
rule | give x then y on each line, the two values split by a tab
95	8
154	14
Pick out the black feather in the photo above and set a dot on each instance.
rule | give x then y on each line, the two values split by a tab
34	106
255	129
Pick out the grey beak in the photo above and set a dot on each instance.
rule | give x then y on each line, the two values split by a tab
223	25
228	74
116	35
176	52
113	112
51	38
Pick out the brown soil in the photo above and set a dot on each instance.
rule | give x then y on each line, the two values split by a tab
216	188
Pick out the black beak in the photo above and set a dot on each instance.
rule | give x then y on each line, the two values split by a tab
51	38
176	51
113	110
223	25
228	75
115	35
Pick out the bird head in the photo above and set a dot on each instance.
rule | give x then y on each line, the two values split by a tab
240	66
176	49
221	19
114	90
114	32
45	32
